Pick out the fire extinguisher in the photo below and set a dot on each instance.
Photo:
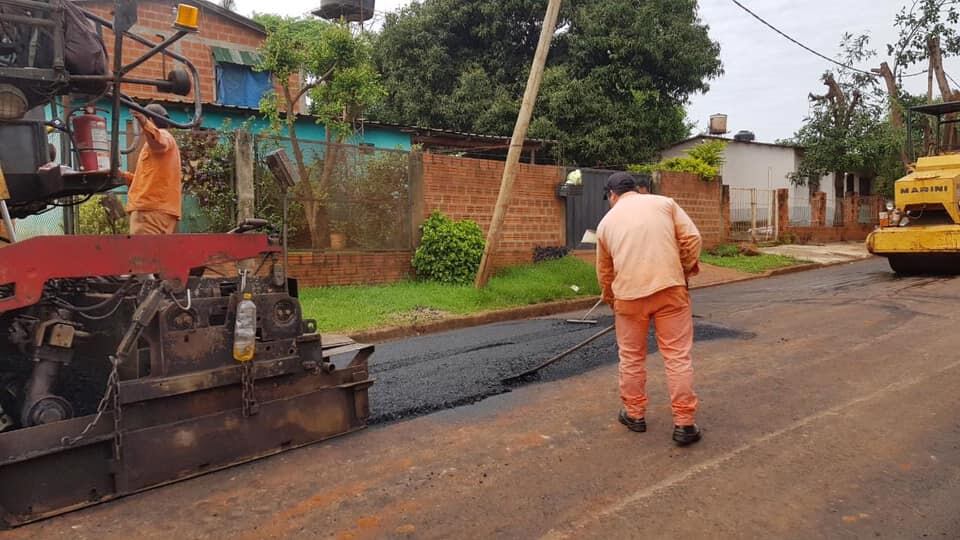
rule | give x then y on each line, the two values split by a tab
91	141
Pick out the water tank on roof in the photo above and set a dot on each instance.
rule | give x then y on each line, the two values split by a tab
718	124
745	136
350	10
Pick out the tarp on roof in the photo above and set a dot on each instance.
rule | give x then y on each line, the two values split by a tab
223	55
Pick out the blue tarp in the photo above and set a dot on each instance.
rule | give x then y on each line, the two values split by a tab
241	86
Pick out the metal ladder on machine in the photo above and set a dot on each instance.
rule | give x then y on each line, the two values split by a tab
4	211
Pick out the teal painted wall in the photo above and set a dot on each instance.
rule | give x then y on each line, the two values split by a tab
307	129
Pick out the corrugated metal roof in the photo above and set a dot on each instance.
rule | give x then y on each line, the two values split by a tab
372	123
224	55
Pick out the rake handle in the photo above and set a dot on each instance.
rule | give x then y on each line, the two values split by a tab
564	354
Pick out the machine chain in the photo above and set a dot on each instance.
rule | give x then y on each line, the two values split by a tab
110	397
248	378
117	432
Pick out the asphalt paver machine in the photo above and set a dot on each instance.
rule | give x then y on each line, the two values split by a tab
118	355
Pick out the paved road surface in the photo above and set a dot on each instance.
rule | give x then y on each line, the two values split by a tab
831	403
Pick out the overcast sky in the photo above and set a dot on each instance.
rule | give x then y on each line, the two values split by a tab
767	78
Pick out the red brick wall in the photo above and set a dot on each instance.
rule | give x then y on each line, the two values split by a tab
156	17
701	199
465	188
330	268
818	232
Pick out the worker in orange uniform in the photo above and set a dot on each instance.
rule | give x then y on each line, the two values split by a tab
647	250
154	197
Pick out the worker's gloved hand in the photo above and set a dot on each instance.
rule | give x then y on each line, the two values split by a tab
142	119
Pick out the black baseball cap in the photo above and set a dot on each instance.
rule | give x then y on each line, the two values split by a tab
624	182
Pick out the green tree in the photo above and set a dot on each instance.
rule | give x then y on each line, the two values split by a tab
331	67
617	80
858	126
848	129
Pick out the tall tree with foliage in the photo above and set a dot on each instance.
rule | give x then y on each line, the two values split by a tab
848	129
332	67
859	125
618	76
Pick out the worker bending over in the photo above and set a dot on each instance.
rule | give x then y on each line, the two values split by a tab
647	250
154	198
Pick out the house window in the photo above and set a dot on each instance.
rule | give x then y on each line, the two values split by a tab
238	83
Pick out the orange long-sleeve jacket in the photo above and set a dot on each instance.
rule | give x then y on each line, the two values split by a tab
157	183
645	244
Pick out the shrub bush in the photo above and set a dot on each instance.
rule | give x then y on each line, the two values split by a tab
94	218
450	251
725	250
703	160
543	254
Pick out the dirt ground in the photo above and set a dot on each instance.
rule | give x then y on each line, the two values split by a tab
834	412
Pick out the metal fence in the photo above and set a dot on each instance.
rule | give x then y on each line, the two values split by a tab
49	223
801	215
870	208
753	214
833	216
584	212
353	197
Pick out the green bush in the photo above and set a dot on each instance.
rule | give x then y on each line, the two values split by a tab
94	219
709	152
450	251
725	250
703	160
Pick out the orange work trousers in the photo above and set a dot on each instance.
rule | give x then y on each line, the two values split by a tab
673	319
152	222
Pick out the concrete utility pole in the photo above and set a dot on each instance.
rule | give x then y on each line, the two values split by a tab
516	144
246	191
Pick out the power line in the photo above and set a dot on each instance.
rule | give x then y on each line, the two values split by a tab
777	30
951	79
924	72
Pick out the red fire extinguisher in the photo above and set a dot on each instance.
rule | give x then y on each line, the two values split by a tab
92	141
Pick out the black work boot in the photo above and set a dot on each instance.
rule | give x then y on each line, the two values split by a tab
686	435
633	424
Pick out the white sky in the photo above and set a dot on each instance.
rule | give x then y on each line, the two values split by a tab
767	78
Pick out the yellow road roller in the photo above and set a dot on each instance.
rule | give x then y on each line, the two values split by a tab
919	232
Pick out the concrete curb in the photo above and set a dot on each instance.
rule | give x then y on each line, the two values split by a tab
488	317
543	310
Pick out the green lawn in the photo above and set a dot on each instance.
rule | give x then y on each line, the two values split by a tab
729	257
345	309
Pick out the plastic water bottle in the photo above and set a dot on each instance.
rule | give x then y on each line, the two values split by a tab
245	333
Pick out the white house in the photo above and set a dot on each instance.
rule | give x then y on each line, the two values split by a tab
754	170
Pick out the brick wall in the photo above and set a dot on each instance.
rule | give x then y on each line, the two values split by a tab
465	188
331	268
156	17
818	232
702	200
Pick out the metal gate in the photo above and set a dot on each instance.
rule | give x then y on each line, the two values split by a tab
585	211
753	215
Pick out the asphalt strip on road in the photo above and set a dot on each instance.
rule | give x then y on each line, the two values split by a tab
421	375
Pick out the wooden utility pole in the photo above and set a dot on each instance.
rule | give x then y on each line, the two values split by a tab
516	144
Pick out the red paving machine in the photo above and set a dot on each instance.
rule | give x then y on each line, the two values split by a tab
123	362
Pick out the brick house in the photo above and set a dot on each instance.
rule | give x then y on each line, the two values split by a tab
224	50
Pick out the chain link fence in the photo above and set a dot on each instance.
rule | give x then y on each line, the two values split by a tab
351	197
752	214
